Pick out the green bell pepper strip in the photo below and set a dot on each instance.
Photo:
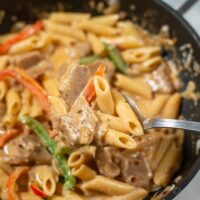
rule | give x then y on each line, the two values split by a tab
88	59
63	151
115	56
52	147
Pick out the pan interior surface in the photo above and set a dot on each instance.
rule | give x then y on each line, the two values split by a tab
152	14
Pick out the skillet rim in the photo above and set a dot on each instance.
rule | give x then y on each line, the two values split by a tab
196	167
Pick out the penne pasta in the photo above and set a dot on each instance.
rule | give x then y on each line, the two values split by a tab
106	186
68	17
84	172
26	103
46	178
150	64
79	157
112	121
119	139
58	106
9	120
66	30
103	95
136	194
97	45
136	85
156	107
171	108
169	164
13	102
62	39
140	55
98	29
69	195
123	42
127	115
35	109
161	150
109	20
50	85
29	44
58	58
179	138
128	28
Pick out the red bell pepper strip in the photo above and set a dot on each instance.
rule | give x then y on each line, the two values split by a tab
21	36
100	70
37	191
89	90
4	138
11	182
34	87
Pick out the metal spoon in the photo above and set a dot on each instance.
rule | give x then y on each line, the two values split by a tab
162	123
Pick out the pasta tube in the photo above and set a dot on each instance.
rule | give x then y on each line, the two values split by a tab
79	157
26	100
46	178
171	108
103	95
156	107
53	27
136	194
98	29
169	164
135	85
119	139
109	20
126	114
84	172
68	17
112	121
106	186
13	102
139	55
97	45
123	42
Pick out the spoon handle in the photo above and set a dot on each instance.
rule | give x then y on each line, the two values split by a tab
171	123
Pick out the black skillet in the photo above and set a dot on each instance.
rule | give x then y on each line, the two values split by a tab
155	14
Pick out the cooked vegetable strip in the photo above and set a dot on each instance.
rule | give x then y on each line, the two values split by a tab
4	138
36	190
41	132
52	146
21	36
21	76
11	182
88	59
63	151
100	70
115	57
89	91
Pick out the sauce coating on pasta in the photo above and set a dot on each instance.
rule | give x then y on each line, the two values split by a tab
66	130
